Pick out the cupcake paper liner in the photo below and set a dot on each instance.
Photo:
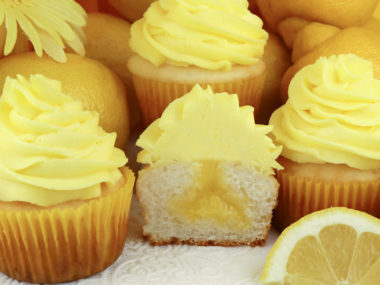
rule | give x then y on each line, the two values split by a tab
67	243
154	96
299	196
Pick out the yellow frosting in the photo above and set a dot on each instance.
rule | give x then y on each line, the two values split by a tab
51	150
332	114
202	125
206	33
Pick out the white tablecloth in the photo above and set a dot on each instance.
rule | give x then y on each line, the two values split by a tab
143	264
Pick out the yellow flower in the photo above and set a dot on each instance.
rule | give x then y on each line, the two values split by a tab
50	25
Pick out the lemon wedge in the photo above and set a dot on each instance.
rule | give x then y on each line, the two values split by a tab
336	246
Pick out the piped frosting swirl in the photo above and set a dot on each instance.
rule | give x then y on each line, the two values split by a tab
51	150
203	125
209	34
332	114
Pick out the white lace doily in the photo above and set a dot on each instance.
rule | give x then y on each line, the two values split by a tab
143	264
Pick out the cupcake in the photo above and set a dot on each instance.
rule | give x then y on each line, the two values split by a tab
208	178
182	43
330	132
64	190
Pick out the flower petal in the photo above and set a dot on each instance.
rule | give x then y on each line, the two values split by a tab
30	31
51	47
49	25
11	26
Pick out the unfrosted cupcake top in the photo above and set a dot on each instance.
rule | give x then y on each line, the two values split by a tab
203	125
51	150
332	114
206	33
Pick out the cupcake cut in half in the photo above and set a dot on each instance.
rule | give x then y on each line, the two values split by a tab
64	189
209	174
180	43
330	132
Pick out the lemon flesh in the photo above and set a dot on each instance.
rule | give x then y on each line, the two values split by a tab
346	253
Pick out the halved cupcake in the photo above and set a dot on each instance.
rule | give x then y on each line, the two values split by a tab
209	174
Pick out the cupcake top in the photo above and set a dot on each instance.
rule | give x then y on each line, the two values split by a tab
332	114
48	25
52	151
206	33
203	125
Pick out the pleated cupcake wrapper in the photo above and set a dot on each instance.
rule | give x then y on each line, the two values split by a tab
299	196
154	96
65	244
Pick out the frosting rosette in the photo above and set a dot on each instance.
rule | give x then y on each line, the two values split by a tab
332	114
203	125
51	150
209	34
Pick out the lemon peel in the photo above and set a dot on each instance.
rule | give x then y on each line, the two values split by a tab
49	25
203	125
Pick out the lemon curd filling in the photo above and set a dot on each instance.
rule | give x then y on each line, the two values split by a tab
211	199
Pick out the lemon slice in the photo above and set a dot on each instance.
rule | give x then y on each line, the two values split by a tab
336	246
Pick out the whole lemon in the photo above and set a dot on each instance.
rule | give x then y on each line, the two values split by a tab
376	14
373	24
82	78
108	42
277	60
340	13
359	41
